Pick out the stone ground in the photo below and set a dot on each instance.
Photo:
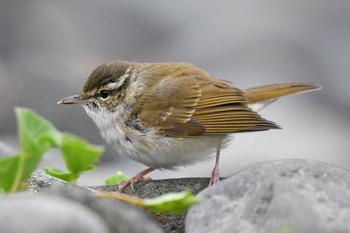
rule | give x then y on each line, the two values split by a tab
294	196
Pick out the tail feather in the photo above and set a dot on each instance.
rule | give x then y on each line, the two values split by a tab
265	94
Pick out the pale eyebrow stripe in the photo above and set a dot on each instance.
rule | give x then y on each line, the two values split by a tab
118	83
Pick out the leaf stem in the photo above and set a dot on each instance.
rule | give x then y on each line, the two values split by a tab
19	172
122	197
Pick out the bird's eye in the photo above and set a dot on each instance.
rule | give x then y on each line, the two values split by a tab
105	94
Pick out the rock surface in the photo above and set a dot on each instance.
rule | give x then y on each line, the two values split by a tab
114	216
278	196
294	196
174	223
119	217
44	213
41	182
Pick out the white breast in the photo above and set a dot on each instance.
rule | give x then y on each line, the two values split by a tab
151	149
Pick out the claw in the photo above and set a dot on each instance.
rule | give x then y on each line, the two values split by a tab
215	177
135	179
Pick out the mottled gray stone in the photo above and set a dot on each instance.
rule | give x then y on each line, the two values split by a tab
292	195
278	196
42	182
112	213
119	217
44	213
173	223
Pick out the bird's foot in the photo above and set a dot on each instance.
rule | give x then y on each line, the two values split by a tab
215	177
135	179
215	174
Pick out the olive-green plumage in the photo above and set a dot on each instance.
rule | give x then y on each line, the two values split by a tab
166	115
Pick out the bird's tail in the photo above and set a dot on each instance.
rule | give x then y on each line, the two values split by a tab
259	97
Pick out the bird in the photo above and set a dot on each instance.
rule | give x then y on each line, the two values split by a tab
172	114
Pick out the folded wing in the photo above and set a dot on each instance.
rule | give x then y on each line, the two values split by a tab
195	104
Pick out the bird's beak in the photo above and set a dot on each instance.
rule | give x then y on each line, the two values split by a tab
75	99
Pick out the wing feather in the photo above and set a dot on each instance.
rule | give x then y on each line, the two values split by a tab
191	103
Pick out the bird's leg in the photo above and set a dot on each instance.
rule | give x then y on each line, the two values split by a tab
215	175
135	179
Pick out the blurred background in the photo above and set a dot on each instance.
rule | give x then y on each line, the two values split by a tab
48	48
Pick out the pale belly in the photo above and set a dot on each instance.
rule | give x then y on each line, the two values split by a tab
169	153
154	150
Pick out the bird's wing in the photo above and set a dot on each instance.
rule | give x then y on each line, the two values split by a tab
192	105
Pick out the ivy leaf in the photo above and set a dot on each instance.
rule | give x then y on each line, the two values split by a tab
8	171
171	203
36	137
117	178
79	156
36	134
175	203
67	176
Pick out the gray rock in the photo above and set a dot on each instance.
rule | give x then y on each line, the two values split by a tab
118	214
41	182
119	217
44	213
279	196
173	223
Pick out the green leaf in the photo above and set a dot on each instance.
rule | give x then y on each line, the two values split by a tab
36	137
285	229
30	164
13	174
67	176
172	202
36	134
79	155
8	170
117	178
